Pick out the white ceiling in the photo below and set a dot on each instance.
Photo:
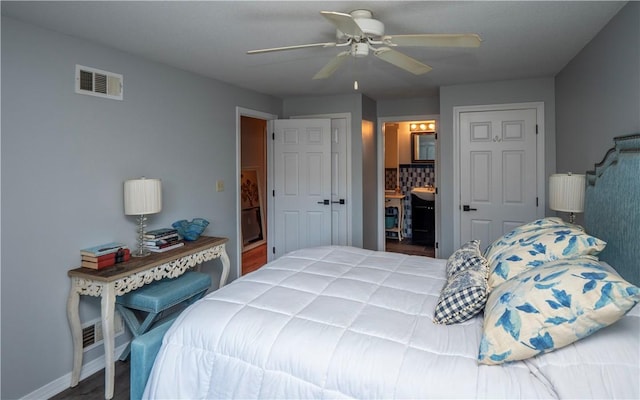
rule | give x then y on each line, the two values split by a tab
520	39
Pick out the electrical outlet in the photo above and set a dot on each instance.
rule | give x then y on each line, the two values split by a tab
220	186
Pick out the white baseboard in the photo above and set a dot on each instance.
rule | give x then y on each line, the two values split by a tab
61	384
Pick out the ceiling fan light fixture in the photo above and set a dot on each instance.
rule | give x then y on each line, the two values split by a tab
359	49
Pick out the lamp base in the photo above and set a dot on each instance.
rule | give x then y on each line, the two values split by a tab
141	251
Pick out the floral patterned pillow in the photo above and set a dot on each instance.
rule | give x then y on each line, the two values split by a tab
459	259
549	307
508	239
465	293
535	247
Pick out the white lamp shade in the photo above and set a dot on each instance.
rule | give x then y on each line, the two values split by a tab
142	196
566	192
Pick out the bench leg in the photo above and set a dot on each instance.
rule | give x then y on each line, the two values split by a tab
137	329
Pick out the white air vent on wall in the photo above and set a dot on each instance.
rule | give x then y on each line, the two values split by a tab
96	82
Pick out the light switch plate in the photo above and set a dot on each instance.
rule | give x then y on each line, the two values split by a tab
219	186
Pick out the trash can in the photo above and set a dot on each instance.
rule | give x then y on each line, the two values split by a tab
390	221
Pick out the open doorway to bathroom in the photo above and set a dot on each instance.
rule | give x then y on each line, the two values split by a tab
410	160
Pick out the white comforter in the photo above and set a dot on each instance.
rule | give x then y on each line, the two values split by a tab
341	322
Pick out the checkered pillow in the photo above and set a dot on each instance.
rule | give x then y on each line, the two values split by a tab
465	293
459	260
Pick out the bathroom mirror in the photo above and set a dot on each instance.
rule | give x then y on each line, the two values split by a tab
423	147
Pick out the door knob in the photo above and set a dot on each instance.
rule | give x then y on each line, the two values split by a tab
341	201
467	208
325	202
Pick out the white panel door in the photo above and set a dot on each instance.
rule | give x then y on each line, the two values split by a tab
302	184
339	209
498	175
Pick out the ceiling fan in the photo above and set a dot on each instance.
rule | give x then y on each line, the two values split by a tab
360	34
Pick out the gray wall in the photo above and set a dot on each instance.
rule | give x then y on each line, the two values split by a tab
64	159
350	103
514	91
415	106
598	93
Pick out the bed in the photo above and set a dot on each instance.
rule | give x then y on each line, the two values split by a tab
343	322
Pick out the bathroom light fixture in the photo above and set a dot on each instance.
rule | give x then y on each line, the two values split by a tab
426	126
142	197
566	193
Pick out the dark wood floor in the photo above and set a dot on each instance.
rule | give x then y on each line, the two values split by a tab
92	388
406	247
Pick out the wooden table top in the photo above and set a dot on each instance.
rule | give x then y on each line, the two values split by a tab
137	264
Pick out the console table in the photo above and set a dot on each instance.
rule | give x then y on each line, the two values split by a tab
125	277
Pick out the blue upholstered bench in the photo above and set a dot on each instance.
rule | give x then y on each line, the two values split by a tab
157	298
144	350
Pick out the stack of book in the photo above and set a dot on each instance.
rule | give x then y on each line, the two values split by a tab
161	240
105	255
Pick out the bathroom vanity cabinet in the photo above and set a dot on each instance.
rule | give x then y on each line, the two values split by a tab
423	221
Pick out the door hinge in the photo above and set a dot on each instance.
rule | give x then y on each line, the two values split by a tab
436	191
273	193
436	136
536	129
536	202
273	136
437	245
273	250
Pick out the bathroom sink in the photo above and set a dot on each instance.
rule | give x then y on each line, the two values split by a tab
425	193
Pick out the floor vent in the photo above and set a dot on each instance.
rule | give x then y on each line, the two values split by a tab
96	82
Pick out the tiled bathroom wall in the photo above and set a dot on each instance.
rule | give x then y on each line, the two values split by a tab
390	178
411	175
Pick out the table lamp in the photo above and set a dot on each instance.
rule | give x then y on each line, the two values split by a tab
142	197
566	193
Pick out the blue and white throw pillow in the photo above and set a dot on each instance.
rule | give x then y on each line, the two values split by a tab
508	239
459	259
535	247
464	294
549	307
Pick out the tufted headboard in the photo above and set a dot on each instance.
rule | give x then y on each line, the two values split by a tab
612	206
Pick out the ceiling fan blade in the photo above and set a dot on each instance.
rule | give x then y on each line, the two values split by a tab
434	40
299	46
332	66
344	22
402	61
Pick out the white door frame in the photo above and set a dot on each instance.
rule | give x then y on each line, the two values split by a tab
246	112
380	144
540	161
349	204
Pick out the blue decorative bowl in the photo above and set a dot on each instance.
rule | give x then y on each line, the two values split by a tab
190	230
